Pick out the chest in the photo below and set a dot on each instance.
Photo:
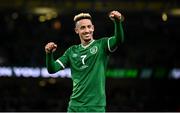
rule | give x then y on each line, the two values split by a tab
85	53
84	57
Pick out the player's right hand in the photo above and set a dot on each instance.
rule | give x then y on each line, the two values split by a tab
50	47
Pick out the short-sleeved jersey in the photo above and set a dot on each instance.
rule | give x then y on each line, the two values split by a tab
88	65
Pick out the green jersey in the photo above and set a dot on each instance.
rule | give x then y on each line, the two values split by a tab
88	64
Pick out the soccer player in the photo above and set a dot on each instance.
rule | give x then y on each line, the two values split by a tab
87	62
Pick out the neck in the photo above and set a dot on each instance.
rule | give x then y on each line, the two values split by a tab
86	42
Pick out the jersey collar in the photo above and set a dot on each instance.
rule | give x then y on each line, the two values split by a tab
88	44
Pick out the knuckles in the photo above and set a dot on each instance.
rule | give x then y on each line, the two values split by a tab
115	14
50	47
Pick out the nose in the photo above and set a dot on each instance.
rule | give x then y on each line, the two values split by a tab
86	30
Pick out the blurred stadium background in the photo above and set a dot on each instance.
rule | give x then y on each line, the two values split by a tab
143	74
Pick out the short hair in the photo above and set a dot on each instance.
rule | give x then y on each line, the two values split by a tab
81	16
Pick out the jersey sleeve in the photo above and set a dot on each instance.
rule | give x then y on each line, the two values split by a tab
54	66
118	38
63	61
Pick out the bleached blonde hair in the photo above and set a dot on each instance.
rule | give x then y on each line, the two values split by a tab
82	16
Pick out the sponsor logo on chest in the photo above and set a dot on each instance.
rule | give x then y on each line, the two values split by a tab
74	55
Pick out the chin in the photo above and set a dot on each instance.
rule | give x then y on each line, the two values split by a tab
87	40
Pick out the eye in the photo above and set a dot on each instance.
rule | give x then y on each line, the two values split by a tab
82	27
89	26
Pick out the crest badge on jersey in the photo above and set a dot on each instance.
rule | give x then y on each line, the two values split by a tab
93	50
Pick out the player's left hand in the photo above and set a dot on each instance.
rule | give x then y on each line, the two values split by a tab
115	15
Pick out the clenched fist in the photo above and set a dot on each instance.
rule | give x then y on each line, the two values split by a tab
50	47
115	15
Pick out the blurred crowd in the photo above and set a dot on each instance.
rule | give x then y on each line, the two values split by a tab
27	94
149	43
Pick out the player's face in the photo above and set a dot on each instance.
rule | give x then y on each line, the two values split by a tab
85	29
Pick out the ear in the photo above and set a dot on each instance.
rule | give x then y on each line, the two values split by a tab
93	27
76	30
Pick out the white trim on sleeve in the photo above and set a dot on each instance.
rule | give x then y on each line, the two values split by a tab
58	61
109	46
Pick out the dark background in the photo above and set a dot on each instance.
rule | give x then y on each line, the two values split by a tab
149	43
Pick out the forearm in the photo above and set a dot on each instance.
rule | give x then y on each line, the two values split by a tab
118	33
118	37
52	66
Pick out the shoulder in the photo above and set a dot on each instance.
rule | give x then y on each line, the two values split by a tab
73	48
103	39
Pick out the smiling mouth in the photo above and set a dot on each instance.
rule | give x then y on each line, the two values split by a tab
87	35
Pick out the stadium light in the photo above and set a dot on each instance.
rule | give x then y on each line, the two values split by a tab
175	12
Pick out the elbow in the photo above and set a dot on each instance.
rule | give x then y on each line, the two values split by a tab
51	71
